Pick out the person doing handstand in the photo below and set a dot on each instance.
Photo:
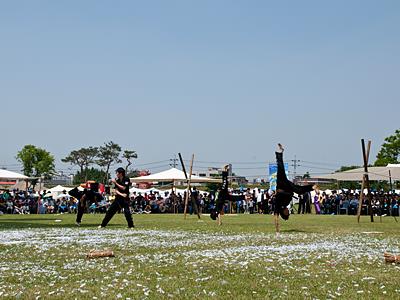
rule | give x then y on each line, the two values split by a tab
285	190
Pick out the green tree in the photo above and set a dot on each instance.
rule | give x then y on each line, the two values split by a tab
82	158
89	174
390	150
36	162
133	173
306	175
129	155
107	156
347	168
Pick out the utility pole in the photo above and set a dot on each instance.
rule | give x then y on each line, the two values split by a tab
295	164
173	162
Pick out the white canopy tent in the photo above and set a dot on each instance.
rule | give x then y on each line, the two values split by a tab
5	174
172	175
58	190
374	173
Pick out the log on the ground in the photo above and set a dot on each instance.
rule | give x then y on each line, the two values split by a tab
100	253
391	258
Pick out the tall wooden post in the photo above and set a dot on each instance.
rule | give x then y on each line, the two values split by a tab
391	192
360	200
188	186
366	177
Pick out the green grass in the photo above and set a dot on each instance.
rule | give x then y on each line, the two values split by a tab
165	256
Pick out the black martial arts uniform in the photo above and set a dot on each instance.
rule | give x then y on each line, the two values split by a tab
119	203
222	196
85	199
286	188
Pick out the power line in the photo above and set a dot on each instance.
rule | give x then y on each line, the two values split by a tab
320	163
151	163
319	168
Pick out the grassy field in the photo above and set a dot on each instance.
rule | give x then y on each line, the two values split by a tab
165	256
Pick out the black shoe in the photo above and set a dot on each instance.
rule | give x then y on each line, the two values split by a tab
213	215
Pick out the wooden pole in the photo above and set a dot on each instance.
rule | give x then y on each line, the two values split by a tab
391	192
369	195
366	157
360	201
183	166
188	186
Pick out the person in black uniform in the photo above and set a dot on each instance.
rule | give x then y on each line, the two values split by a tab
285	190
122	184
85	199
222	196
194	197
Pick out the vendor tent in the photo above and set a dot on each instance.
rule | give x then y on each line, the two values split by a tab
374	174
57	190
172	175
6	174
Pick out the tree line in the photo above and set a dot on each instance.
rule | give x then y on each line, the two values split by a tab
38	162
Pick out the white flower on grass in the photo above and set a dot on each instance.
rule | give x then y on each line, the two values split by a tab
368	278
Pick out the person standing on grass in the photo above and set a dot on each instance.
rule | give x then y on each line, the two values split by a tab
122	184
222	196
302	204
285	190
85	199
317	204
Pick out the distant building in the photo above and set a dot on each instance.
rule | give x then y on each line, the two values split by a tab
217	172
60	179
239	180
312	180
213	172
259	180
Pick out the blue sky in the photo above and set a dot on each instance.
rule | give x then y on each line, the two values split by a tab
225	80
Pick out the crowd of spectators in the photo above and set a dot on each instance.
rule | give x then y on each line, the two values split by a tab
28	202
245	201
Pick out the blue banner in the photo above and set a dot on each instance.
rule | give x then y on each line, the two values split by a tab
273	170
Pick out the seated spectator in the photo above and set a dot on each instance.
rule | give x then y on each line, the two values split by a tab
353	206
92	208
10	206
